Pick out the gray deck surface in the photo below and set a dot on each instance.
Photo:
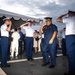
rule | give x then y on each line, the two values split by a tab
35	68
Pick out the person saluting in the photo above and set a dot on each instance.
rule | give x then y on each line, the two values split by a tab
49	45
29	31
5	28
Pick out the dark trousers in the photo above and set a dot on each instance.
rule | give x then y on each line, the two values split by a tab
4	50
0	47
29	47
49	49
20	47
70	45
42	43
0	50
63	46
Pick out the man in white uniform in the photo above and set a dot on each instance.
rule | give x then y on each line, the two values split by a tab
70	39
63	41
5	28
14	44
29	38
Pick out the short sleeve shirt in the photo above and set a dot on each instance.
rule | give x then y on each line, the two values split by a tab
63	34
4	32
70	25
48	32
15	36
29	31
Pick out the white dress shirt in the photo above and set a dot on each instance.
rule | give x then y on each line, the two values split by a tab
4	32
63	34
29	31
42	35
15	36
70	25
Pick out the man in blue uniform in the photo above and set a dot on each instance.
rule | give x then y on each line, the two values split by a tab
70	38
5	28
49	45
20	41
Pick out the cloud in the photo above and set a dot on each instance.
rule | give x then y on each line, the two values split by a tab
38	8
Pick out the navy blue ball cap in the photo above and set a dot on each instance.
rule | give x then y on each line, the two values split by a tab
71	11
48	18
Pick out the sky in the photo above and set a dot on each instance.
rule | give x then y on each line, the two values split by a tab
39	8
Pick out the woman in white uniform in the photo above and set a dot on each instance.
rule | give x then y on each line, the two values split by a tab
14	44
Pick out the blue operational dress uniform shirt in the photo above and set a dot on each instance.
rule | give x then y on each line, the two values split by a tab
4	44
20	42
49	48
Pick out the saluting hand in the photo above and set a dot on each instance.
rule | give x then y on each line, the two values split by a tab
41	29
21	26
43	24
10	23
26	23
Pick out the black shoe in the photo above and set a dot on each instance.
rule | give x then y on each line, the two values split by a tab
28	59
51	66
69	73
5	66
45	64
31	59
64	54
66	73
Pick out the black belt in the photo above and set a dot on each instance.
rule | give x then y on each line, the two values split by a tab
29	37
70	35
4	37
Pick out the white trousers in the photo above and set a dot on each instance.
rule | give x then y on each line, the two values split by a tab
39	45
14	48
